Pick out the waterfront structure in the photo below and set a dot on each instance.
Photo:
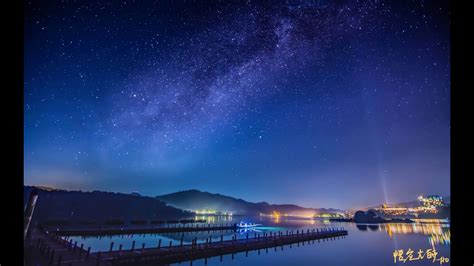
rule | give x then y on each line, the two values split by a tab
427	204
52	243
432	201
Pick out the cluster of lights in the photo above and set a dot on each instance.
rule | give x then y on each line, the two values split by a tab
205	212
277	214
211	212
431	201
429	204
329	215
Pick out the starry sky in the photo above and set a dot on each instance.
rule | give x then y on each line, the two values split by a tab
338	104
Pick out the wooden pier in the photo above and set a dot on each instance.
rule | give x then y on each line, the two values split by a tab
168	254
46	247
143	230
43	248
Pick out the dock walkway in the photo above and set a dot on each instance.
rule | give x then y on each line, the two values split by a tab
163	255
45	248
142	230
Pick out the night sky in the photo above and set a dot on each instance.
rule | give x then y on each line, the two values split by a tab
319	103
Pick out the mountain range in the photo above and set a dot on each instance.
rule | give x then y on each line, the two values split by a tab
57	204
198	200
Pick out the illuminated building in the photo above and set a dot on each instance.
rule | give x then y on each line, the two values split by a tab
432	201
393	210
428	204
205	211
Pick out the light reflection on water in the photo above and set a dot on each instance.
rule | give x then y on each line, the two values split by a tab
437	233
365	244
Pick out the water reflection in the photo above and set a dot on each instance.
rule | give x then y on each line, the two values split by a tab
438	233
366	244
213	219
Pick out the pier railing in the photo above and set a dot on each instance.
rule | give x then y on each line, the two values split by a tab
59	249
166	254
170	228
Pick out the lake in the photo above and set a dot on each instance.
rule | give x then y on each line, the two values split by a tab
364	244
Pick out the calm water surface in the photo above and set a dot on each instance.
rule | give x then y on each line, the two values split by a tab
364	244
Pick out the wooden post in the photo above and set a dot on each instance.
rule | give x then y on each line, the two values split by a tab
143	246
98	258
88	253
159	243
181	242
222	238
52	257
120	248
133	245
171	244
111	246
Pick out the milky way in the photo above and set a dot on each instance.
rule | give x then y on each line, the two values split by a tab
288	101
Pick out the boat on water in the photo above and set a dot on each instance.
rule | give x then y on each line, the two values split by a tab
246	225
